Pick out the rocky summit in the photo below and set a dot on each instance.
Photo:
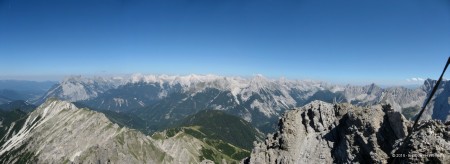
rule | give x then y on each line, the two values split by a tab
321	132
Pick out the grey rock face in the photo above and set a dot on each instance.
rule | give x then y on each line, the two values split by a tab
76	88
59	132
300	138
320	132
430	143
440	105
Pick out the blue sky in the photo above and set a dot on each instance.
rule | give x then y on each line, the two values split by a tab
341	41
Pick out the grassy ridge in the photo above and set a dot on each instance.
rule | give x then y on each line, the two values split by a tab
225	136
221	126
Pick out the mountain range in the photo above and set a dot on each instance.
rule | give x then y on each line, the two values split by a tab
162	100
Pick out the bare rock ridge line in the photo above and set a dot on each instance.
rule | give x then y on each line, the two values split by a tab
59	132
321	132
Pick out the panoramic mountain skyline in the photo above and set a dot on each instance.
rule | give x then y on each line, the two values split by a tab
224	81
385	42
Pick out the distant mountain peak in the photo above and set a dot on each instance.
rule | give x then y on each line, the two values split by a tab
52	106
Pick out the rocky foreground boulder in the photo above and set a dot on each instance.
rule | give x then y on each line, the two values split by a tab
321	132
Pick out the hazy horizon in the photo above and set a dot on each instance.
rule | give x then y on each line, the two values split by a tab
412	84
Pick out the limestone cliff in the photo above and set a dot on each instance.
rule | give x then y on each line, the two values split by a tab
320	132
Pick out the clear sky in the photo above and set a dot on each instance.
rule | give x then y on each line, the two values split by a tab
341	41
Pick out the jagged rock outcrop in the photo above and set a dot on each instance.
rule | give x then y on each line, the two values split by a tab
321	132
430	143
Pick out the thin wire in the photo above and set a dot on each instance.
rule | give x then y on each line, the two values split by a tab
423	108
431	95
